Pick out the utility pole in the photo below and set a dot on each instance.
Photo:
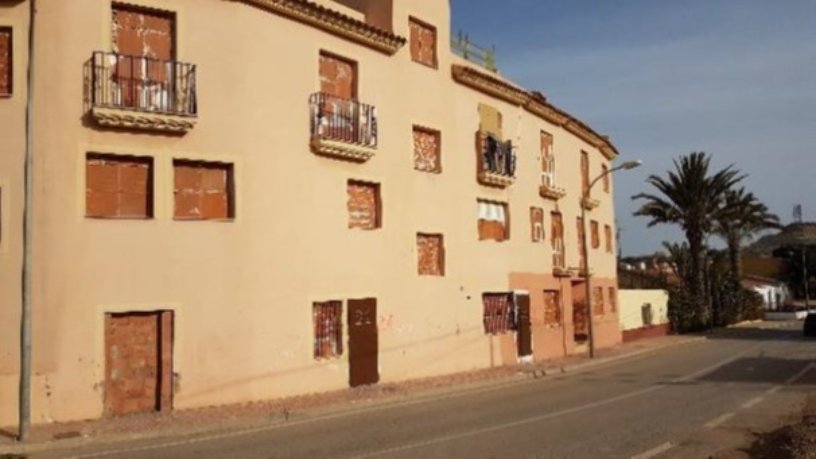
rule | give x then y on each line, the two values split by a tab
805	278
585	250
28	220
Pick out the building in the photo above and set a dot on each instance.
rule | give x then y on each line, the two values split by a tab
644	313
775	294
249	199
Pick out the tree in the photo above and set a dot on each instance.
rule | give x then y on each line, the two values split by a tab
691	197
678	255
742	216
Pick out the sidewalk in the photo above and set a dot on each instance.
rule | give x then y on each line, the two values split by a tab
244	416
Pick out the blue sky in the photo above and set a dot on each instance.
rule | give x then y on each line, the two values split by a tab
734	78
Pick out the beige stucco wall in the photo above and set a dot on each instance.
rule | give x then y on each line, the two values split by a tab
242	290
631	302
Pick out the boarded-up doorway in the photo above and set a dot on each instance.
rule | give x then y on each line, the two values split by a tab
524	336
144	48
138	362
363	342
579	312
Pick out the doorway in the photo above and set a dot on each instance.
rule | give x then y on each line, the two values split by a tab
363	342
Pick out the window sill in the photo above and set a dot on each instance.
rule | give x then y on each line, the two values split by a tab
105	217
425	64
216	220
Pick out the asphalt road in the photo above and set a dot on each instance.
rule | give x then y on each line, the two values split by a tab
657	405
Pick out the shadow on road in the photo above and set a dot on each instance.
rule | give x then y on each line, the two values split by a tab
762	370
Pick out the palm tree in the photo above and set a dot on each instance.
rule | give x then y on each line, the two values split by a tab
691	197
678	255
742	216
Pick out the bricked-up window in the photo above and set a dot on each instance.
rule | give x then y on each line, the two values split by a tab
364	205
598	300
585	172
328	329
493	221
552	308
6	75
499	314
605	171
537	224
596	237
613	299
338	76
608	237
118	186
430	254
580	228
427	150
557	239
423	42
203	190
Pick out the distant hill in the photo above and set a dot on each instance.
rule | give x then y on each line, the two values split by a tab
791	235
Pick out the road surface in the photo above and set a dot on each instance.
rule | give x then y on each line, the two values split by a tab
684	401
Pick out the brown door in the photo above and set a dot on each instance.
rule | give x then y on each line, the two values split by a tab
144	41
138	362
524	337
579	312
363	342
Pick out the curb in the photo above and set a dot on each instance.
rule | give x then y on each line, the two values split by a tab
345	408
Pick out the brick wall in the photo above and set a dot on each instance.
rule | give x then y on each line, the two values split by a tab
141	32
552	308
6	76
138	362
338	76
202	190
118	186
430	255
537	224
423	42
364	207
427	149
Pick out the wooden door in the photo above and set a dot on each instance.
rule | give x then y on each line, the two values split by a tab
524	336
138	362
363	342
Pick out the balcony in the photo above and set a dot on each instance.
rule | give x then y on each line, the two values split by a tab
343	128
589	203
548	188
497	161
141	93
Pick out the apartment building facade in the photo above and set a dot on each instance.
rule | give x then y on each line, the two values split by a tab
238	200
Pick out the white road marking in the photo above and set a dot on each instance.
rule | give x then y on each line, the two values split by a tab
754	401
660	449
757	400
555	414
239	433
716	422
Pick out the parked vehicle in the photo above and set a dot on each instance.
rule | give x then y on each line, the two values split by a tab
810	324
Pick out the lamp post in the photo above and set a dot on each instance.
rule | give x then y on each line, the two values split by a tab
587	192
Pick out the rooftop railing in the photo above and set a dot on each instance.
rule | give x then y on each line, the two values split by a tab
484	57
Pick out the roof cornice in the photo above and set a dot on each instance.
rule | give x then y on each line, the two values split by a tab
533	103
333	22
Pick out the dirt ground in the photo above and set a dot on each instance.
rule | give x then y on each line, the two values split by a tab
793	441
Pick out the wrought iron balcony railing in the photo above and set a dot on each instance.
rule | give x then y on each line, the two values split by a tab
343	120
142	84
498	158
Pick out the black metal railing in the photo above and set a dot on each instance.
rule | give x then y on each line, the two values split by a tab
141	84
345	120
498	157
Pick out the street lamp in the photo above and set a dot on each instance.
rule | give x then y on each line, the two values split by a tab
625	166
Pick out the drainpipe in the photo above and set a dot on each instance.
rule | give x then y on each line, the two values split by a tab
28	219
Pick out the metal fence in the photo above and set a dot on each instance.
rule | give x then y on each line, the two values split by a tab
142	84
345	120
